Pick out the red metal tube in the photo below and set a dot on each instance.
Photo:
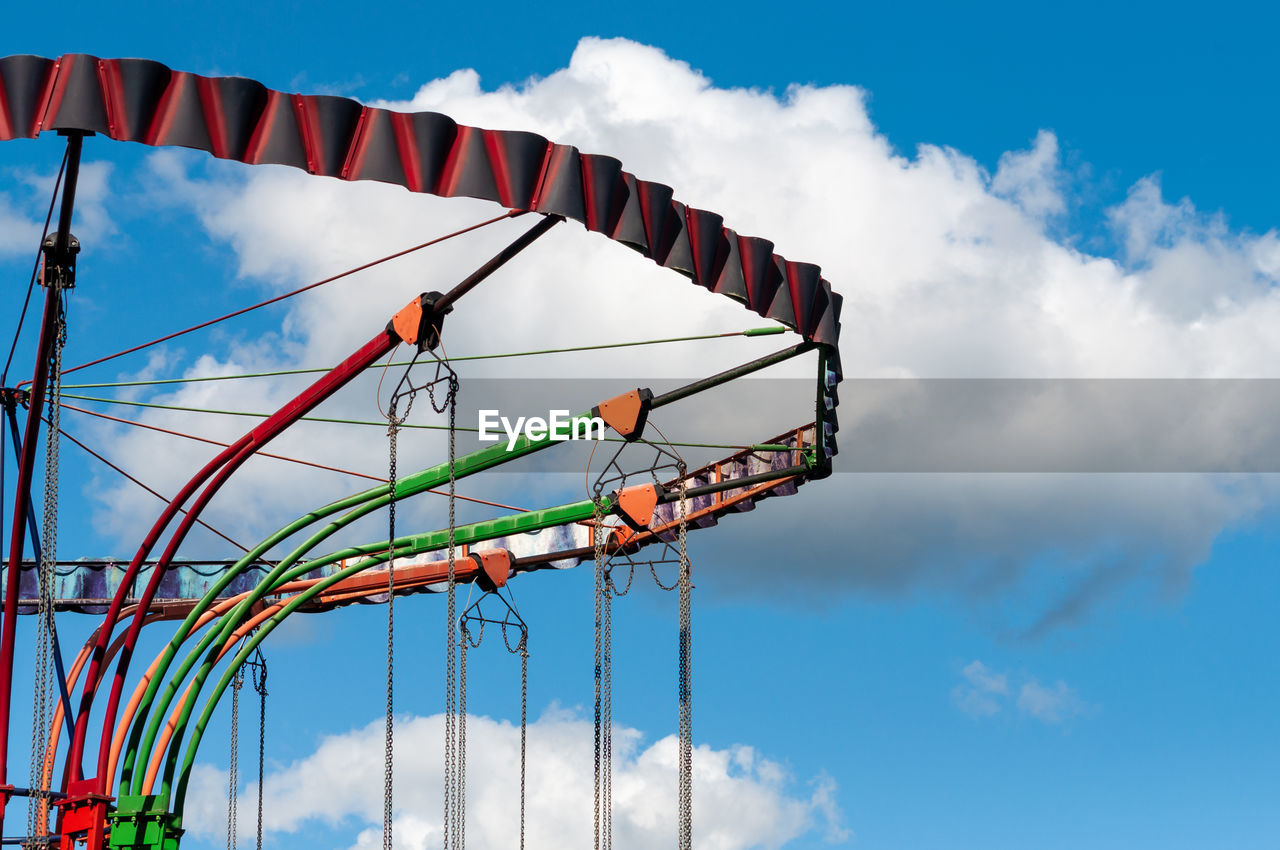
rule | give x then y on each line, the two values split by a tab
224	465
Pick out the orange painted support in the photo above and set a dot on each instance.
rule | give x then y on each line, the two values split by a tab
627	413
636	505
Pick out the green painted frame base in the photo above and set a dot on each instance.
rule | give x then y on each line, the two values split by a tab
144	822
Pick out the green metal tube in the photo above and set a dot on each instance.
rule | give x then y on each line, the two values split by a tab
405	547
184	629
362	504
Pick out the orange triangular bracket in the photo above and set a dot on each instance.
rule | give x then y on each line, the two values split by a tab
420	323
495	568
627	413
636	505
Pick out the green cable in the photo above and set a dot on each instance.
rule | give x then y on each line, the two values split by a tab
180	409
333	421
769	331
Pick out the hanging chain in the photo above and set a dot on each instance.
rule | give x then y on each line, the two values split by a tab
607	744
597	531
461	832
476	616
524	724
453	826
260	685
38	803
388	790
233	770
604	591
454	790
458	768
686	674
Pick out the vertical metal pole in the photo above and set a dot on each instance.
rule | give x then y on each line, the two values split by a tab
48	328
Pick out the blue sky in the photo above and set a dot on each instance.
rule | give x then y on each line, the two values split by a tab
960	663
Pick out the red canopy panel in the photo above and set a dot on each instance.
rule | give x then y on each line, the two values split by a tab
139	100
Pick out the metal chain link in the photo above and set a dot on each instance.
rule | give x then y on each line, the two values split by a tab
454	805
603	688
605	591
475	615
597	531
388	778
524	724
606	802
460	833
685	841
38	802
233	769
260	685
460	789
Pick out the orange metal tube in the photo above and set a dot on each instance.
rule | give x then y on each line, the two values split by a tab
162	742
73	675
126	720
356	587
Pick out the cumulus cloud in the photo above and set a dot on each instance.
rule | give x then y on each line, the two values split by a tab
1032	178
948	271
743	799
983	692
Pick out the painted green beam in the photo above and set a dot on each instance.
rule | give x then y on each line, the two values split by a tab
377	554
357	506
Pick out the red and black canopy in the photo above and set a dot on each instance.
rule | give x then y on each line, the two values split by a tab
139	100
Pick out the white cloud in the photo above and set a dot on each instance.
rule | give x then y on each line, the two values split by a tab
979	694
22	216
1055	704
1032	178
742	799
985	679
984	692
947	271
19	233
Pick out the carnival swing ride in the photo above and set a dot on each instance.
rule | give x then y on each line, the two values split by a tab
131	790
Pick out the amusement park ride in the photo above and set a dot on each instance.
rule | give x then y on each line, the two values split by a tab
124	782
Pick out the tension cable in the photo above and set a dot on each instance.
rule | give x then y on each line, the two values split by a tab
297	291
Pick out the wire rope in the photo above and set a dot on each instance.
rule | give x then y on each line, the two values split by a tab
294	292
504	355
